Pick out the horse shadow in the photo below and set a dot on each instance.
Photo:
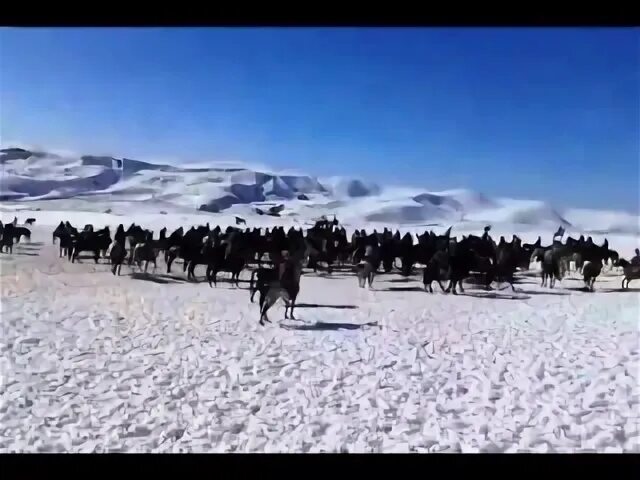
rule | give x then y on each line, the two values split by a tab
169	276
326	274
543	292
152	278
620	290
579	289
400	280
495	296
315	305
403	289
324	326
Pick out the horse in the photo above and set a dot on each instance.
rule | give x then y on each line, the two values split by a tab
117	255
550	268
89	241
631	272
7	238
286	287
262	278
145	252
590	272
19	232
233	263
437	269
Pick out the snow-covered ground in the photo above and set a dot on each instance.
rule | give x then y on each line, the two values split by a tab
93	362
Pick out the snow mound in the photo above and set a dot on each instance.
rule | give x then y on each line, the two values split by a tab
525	212
341	187
603	221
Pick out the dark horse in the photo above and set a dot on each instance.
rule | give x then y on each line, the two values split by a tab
286	287
234	263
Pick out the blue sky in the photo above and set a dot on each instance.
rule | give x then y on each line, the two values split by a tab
548	113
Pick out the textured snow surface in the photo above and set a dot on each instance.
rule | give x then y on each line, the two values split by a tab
97	363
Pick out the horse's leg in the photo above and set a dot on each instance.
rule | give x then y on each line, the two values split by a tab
292	305
252	292
268	302
146	265
191	271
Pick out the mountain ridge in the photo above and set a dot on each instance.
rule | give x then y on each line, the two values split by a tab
37	175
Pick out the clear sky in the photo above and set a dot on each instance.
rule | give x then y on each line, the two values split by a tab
552	114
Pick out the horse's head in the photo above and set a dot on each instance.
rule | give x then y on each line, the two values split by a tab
621	262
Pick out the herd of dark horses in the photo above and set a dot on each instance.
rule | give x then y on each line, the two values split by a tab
10	234
326	246
277	256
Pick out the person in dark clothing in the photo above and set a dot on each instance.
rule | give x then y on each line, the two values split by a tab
635	261
485	235
286	260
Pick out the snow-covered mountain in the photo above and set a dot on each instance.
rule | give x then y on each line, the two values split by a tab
36	176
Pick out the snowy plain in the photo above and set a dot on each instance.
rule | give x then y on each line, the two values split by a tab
97	363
